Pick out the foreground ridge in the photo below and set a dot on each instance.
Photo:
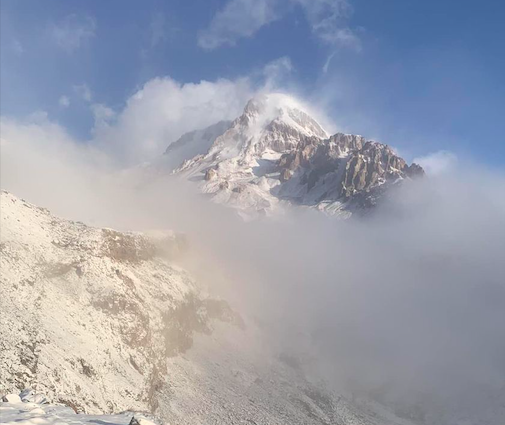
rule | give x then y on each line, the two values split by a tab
89	316
103	321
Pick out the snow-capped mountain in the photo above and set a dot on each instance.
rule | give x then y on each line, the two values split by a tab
104	322
276	154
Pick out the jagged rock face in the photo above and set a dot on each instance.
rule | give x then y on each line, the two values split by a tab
342	144
89	316
340	168
372	165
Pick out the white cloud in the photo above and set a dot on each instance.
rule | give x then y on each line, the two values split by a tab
64	101
164	109
238	19
83	91
437	163
328	20
73	31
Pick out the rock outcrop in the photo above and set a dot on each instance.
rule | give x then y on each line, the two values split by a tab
345	165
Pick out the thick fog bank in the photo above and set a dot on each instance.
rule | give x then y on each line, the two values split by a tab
406	305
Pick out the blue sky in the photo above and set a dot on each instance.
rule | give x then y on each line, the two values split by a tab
420	75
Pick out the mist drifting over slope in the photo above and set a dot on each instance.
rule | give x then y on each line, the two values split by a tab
407	305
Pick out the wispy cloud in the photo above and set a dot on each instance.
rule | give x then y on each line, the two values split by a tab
276	71
83	91
437	162
327	63
162	29
328	20
73	31
238	19
64	101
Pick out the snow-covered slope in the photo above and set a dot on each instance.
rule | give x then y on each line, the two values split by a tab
275	154
103	322
29	408
89	316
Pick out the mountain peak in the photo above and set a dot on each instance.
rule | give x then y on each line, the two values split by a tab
280	109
